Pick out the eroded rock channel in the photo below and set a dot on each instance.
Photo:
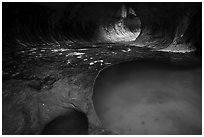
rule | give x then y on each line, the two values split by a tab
80	60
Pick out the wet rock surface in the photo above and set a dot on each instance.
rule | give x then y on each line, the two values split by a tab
40	88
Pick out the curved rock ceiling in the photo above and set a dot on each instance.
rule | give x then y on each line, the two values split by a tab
158	26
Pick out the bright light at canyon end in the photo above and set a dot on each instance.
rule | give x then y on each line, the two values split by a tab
126	29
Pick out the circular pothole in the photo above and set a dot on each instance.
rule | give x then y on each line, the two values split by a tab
73	122
149	98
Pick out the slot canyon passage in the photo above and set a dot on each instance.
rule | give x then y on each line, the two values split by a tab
101	68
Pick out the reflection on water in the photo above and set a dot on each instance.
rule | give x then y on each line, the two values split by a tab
139	98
